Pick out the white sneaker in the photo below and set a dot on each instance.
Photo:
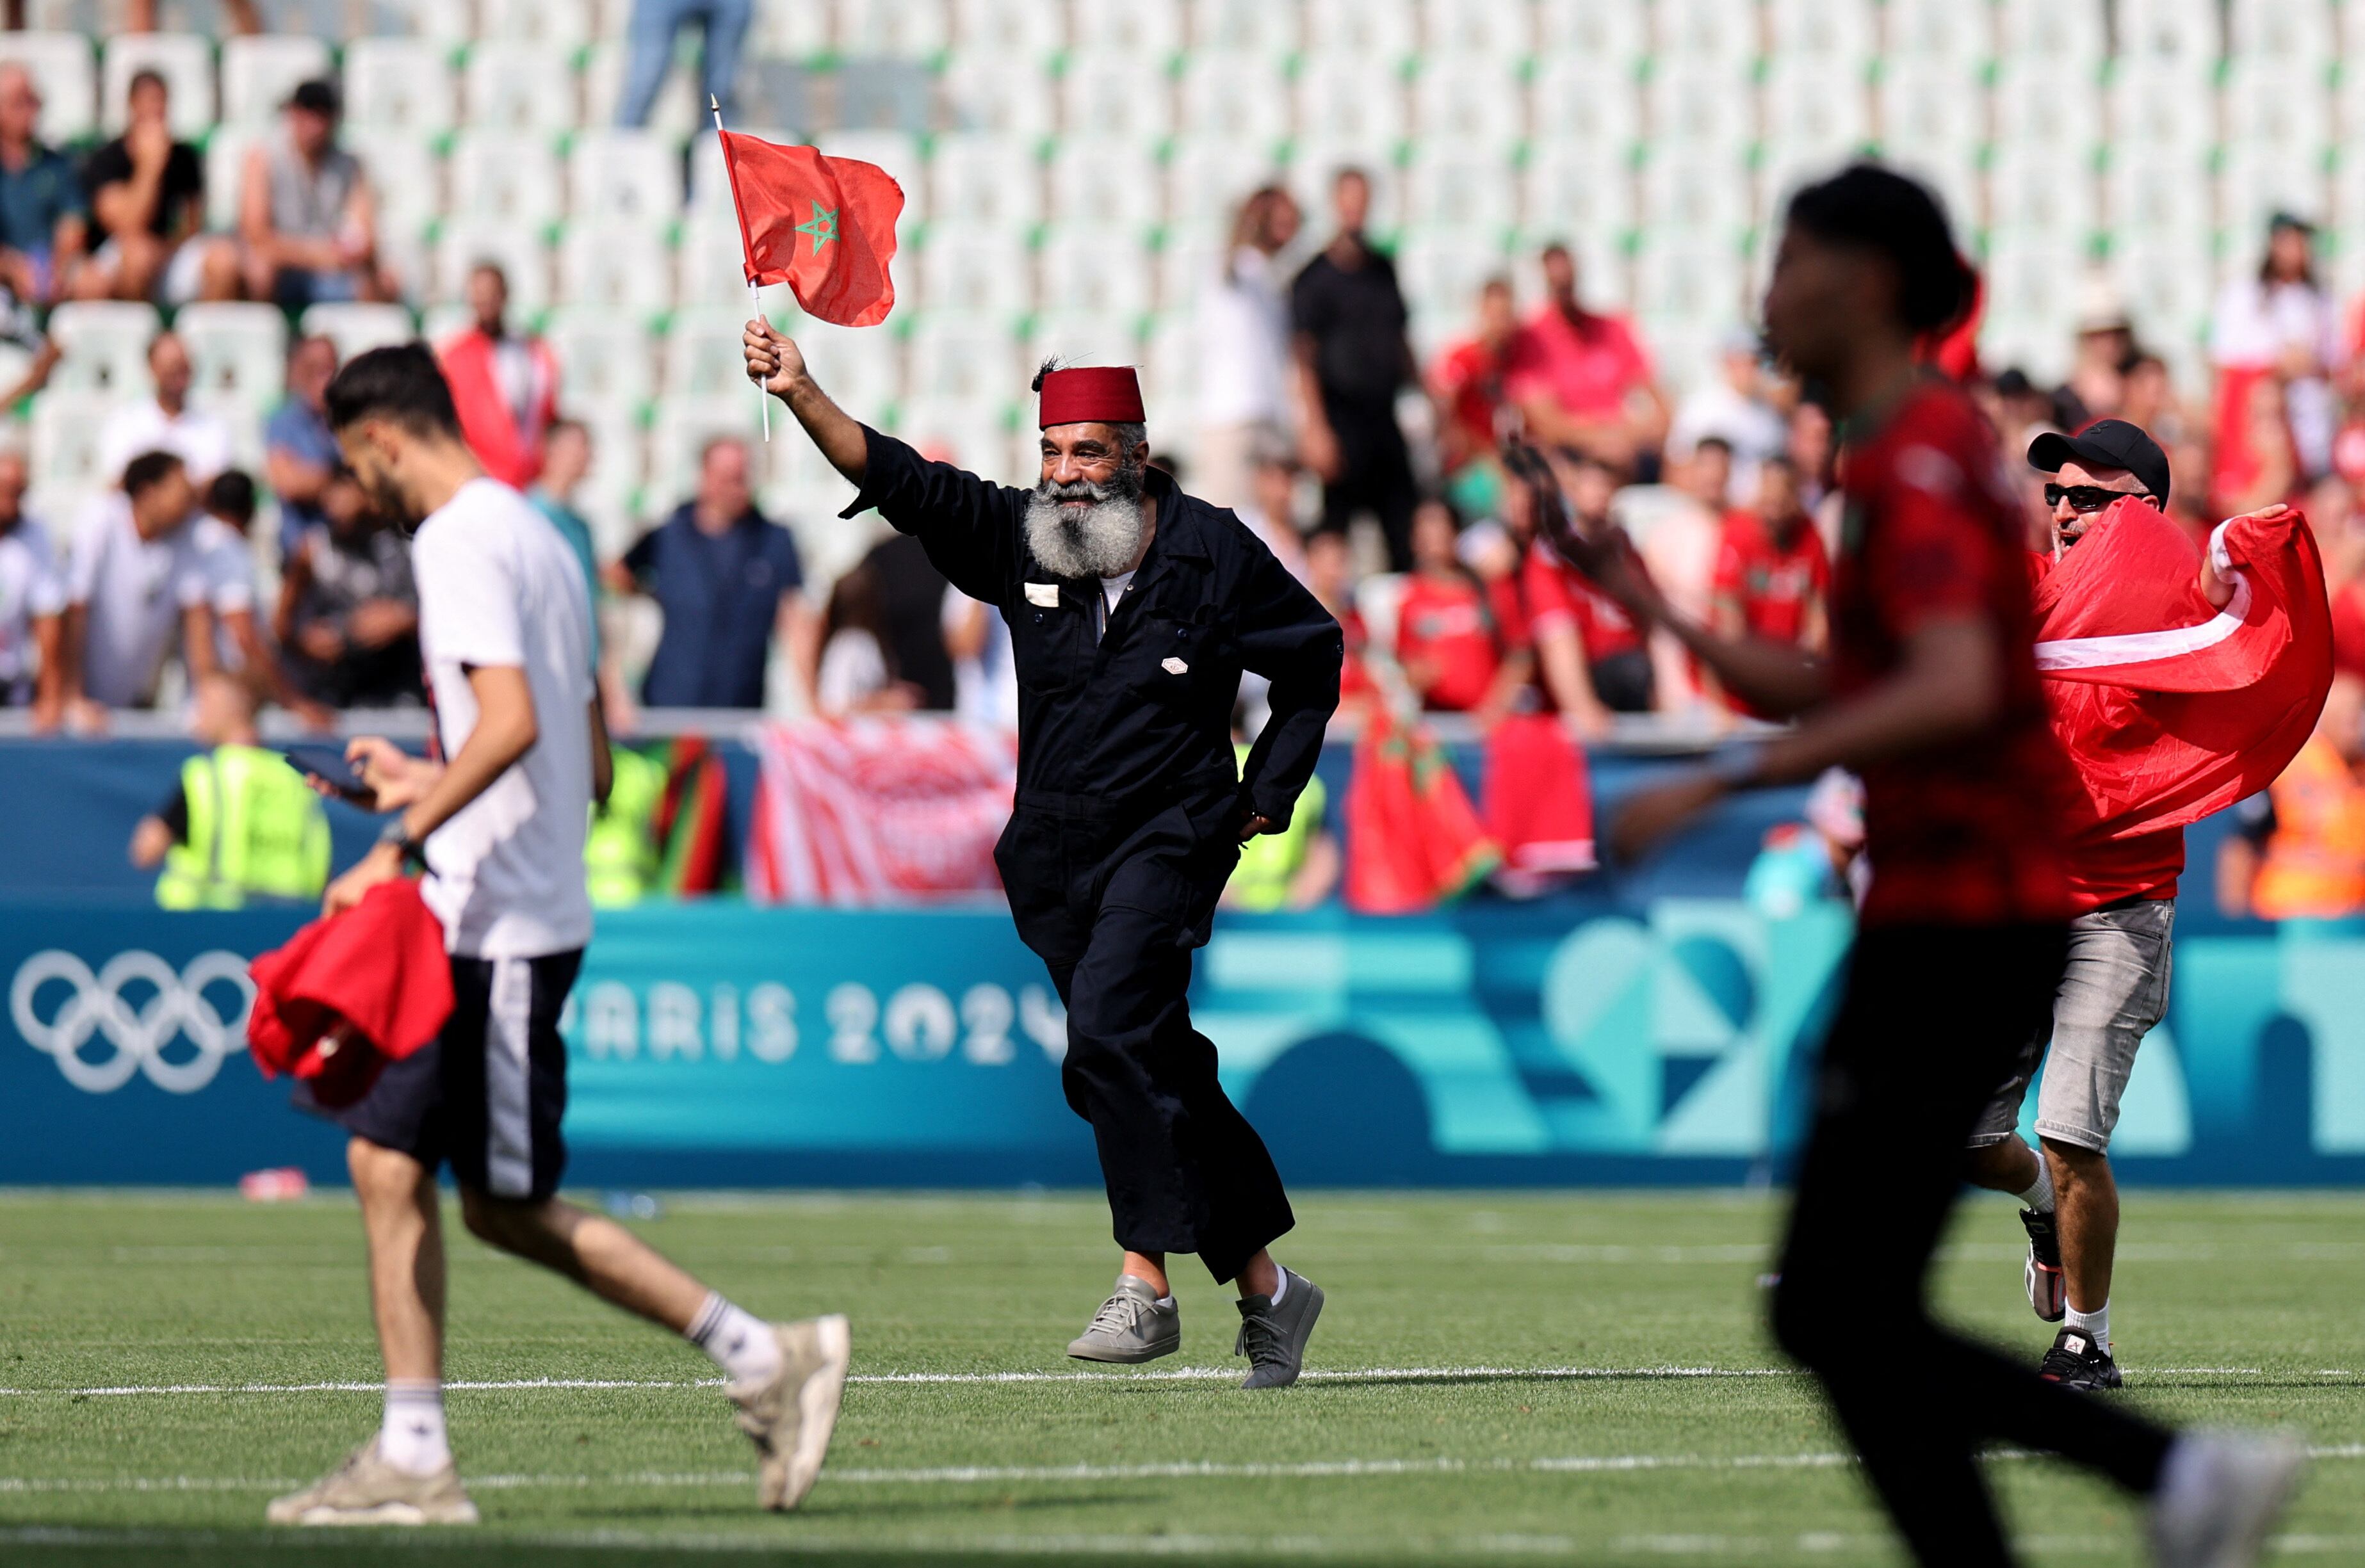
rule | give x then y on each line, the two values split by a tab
2219	1495
366	1490
790	1417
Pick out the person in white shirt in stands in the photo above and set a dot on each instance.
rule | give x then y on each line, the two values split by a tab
139	579
505	630
32	605
1735	409
165	423
1244	350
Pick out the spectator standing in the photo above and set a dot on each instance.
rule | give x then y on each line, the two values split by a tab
1466	385
306	213
239	643
858	672
1352	356
349	607
148	194
1244	349
727	579
505	386
138	580
2299	849
1735	409
648	39
2281	324
299	451
1580	379
165	423
567	458
32	604
43	217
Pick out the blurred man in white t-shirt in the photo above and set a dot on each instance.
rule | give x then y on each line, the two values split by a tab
505	629
166	422
138	581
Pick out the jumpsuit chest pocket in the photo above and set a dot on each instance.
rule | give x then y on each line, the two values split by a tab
1172	656
1051	646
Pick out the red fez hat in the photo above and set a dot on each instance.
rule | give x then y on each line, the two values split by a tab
1100	395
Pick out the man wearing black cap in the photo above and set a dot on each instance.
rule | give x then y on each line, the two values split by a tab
2113	988
305	211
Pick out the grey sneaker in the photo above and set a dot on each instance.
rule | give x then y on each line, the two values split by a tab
1273	1337
366	1490
2219	1495
791	1418
1130	1327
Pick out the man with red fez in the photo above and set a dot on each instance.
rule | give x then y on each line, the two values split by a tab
1133	610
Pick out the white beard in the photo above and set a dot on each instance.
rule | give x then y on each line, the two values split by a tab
1100	542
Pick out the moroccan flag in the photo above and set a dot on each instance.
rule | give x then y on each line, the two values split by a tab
823	226
2168	707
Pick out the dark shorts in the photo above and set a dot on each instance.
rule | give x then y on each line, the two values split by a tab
488	1094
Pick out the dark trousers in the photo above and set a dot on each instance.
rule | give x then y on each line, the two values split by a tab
1115	913
1932	1020
1374	476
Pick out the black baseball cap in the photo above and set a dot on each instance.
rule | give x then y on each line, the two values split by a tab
321	97
2105	443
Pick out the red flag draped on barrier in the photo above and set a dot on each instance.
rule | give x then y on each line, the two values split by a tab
823	226
877	809
2172	708
1413	841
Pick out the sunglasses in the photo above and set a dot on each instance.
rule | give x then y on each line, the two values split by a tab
2084	498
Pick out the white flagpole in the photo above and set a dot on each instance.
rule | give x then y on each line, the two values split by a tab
754	295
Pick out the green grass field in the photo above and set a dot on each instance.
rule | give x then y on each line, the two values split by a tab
1571	1376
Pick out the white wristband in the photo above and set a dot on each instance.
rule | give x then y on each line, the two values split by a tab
2222	562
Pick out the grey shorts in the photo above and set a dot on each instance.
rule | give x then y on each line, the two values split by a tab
2113	990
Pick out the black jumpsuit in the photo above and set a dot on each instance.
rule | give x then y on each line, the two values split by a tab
1126	818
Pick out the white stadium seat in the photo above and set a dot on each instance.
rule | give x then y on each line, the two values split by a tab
258	72
892	151
603	357
966	354
2032	289
102	345
1615	30
1208	177
520	87
562	24
225	156
2164	190
619	264
62	450
2255	182
975	267
184	59
1154	28
1932	107
1116	94
1269	28
1475	99
2271	101
1386	30
788	32
1241	98
2055	105
1817	103
61	67
1457	184
2169	288
711	265
1578	189
679	112
1700	32
439	324
2033	190
1105	179
912	29
1487	28
398	83
238	351
2281	30
624	175
406	176
1095	269
683	427
2161	105
1693	193
1442	270
505	176
357	328
1939	30
861	365
2071	36
518	249
977	436
1704	103
1189	263
1351	98
1009	29
447	22
1016	95
1591	101
1839	31
986	178
1085	337
702	356
2183	32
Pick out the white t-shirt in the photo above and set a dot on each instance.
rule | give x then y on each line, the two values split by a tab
135	590
230	581
1243	342
30	589
498	585
853	667
200	441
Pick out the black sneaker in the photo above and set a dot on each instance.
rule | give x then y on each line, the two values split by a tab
2075	1361
2043	1276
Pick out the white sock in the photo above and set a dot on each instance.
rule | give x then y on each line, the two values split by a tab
411	1437
2040	1196
1281	1289
740	1342
2094	1324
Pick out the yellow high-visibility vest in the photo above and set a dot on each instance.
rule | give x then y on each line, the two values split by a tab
255	831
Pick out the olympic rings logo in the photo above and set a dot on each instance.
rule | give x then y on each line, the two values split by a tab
180	1006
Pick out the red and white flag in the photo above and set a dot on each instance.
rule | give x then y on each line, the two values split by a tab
2169	707
883	810
823	226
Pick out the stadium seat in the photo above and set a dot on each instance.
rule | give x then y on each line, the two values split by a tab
1837	31
2274	102
1188	264
1171	373
603	357
971	266
1693	193
1239	97
1939	30
1932	107
1387	30
60	66
1105	179
1696	32
1095	268
1016	94
1442	270
1817	103
406	176
679	435
1116	94
506	176
257	74
2040	191
1313	168
525	87
1614	32
2034	286
2163	191
1241	29
861	366
1152	28
2258	180
892	151
62	450
239	350
445	22
969	355
518	249
2181	33
439	324
912	29
1702	102
399	84
1352	98
1586	102
985	178
1582	187
617	263
2070	35
184	59
562	24
701	352
1474	100
677	114
102	345
2054	105
357	328
1207	178
788	32
624	175
2277	29
2160	104
712	263
225	157
975	436
2170	287
1453	183
1008	29
1484	29
1085	337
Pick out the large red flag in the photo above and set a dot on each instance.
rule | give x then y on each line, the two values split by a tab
823	226
2170	708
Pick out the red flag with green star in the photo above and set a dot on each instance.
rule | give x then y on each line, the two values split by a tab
823	226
